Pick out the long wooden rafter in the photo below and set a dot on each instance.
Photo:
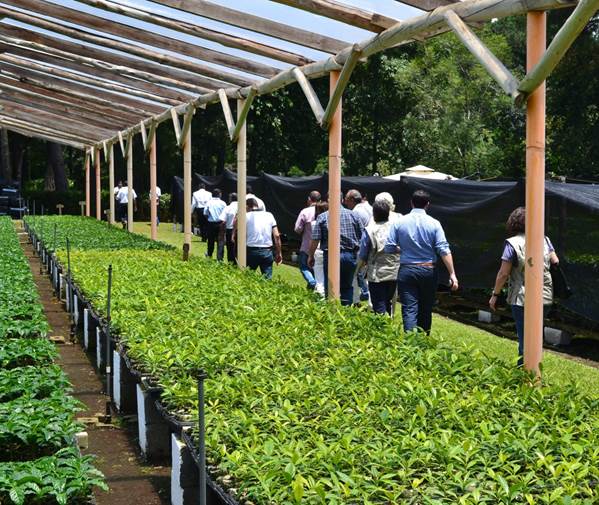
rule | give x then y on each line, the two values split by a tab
42	126
257	24
163	42
162	74
32	132
133	49
426	5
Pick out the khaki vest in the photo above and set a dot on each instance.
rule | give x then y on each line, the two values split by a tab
382	266
515	293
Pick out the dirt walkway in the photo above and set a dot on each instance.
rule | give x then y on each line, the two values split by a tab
131	482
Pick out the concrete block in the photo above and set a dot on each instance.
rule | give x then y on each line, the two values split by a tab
484	316
185	479
153	431
554	336
82	440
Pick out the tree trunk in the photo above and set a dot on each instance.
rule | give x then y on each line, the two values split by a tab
5	168
56	179
18	145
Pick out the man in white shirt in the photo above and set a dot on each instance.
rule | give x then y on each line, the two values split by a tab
227	220
249	194
115	192
122	198
262	234
158	195
198	203
213	209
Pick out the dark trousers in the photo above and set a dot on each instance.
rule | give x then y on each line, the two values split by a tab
231	246
260	257
202	222
347	264
417	286
213	231
123	213
518	314
381	296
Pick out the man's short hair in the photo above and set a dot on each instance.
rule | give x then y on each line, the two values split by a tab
314	197
201	185
248	189
232	197
420	199
251	203
354	195
217	192
380	211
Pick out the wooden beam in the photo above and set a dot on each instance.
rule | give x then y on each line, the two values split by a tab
122	145
187	122
257	24
151	135
426	5
129	145
200	31
187	194
130	78
41	7
562	41
242	114
342	82
311	95
130	184
41	127
483	55
80	92
241	188
110	158
87	185
153	198
142	52
163	74
346	14
98	186
224	101
15	89
176	126
87	80
41	136
144	135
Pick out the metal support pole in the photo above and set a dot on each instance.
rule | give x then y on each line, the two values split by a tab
241	189
202	436
334	236
153	199
535	199
111	183
98	187
87	187
187	194
130	186
108	367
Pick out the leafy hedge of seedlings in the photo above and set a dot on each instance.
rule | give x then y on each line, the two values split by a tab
312	403
38	461
87	233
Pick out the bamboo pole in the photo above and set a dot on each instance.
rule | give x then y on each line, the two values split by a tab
130	184
241	186
87	186
98	187
334	237
111	182
187	194
535	200
153	202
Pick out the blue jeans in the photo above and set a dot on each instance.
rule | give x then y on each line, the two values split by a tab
518	314
306	270
348	261
381	296
363	285
417	286
260	257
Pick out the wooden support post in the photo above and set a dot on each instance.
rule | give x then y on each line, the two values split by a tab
87	186
224	101
98	186
243	113
334	237
483	55
341	83
111	184
187	119
535	199
187	195
241	186
153	199
562	41
122	144
311	95
130	184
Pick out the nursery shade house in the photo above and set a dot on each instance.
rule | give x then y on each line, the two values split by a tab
93	73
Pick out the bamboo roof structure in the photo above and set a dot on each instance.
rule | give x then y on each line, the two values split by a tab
89	73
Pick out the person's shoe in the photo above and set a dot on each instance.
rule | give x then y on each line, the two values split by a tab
311	287
364	297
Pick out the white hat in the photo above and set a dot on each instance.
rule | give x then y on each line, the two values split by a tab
387	198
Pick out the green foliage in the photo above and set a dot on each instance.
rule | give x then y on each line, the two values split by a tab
87	233
20	311
313	403
35	382
61	479
26	352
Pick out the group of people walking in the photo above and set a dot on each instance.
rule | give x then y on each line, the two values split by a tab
384	256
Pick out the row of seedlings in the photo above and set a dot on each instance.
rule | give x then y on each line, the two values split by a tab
39	458
314	403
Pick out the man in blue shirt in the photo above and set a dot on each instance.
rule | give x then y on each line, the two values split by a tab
419	239
213	209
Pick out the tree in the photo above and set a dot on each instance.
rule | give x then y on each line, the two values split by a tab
55	178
